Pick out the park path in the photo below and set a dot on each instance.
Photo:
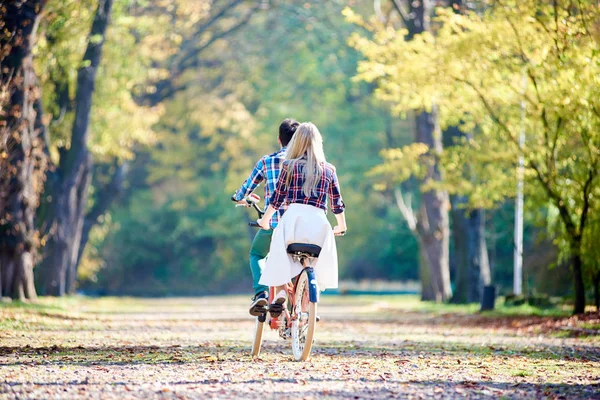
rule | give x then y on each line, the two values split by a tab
366	348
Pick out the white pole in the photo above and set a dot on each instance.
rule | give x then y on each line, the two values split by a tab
518	252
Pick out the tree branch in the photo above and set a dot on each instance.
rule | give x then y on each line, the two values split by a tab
189	55
107	195
406	210
490	110
189	44
402	12
196	51
558	202
586	199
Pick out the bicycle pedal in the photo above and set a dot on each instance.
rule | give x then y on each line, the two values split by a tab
275	310
258	311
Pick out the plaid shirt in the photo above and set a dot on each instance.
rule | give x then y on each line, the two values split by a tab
327	186
268	168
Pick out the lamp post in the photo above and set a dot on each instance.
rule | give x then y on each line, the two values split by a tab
518	245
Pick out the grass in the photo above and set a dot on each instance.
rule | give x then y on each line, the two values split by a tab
520	373
412	303
404	303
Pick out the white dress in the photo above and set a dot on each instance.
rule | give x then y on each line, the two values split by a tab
301	223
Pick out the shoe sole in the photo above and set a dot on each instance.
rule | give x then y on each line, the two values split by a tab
258	307
279	307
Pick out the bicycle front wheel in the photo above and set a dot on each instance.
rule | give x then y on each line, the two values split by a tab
258	334
303	325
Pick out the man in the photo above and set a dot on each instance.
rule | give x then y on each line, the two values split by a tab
267	168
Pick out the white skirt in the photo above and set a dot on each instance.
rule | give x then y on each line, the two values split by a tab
301	223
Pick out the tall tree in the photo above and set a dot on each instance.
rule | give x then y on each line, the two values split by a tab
68	185
22	159
479	70
468	228
431	223
198	25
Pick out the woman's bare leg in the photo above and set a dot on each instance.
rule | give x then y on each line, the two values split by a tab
280	288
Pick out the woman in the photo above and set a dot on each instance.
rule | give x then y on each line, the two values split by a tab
305	182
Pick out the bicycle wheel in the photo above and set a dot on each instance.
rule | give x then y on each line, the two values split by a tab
258	334
303	325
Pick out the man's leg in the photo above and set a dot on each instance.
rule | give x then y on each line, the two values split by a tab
258	251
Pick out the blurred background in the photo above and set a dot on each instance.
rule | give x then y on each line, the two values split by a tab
144	116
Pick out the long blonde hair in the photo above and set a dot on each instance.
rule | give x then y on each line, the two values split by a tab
306	149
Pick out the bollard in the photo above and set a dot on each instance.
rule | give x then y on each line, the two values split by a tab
488	299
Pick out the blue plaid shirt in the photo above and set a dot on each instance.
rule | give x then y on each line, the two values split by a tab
268	167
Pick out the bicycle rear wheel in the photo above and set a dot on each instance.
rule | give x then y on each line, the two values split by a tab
303	325
258	334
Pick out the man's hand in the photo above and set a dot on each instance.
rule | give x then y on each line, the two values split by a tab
242	203
264	224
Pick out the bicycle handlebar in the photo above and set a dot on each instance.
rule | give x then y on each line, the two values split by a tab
252	200
258	210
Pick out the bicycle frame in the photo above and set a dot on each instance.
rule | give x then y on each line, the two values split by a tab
313	290
291	290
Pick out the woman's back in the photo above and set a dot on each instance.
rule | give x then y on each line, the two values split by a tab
290	189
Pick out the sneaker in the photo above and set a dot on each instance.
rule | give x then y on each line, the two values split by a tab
276	308
259	302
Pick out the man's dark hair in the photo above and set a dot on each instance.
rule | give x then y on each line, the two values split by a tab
287	129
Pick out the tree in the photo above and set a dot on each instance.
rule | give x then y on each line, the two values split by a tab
22	157
69	185
116	123
478	70
176	230
431	224
468	228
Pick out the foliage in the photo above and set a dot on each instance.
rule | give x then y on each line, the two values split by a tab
117	122
212	133
480	71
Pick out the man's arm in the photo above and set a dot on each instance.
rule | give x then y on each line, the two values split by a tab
256	177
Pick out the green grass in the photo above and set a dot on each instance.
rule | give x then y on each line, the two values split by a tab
47	304
520	373
404	303
591	326
412	303
527	310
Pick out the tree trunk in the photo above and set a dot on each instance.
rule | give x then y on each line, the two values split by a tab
578	283
468	233
433	224
473	266
106	196
427	289
22	159
596	284
72	178
479	264
460	229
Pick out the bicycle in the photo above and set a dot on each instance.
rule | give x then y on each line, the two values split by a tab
298	320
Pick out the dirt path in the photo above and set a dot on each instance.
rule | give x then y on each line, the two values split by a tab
365	348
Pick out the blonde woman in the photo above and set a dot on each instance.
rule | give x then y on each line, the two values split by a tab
305	183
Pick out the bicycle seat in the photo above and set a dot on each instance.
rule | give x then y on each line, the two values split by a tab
311	249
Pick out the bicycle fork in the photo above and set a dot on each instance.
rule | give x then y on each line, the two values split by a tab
313	288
